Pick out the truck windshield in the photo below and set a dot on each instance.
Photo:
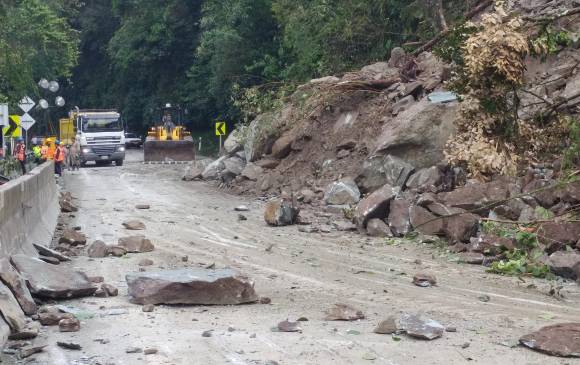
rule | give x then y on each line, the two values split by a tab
101	124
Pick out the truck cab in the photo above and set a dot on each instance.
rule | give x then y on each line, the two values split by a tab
101	136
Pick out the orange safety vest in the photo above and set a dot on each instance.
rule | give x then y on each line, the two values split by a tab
20	152
43	152
50	154
59	154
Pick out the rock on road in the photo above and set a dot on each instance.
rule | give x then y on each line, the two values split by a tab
303	273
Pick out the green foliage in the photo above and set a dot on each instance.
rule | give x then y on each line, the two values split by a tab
549	41
36	42
521	263
450	48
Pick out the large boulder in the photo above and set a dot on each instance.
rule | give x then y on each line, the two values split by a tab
234	165
460	227
233	143
424	221
280	212
427	179
380	170
343	192
544	191
10	310
263	132
418	135
399	222
283	145
213	170
252	172
98	249
52	281
565	264
12	279
375	205
476	195
556	235
194	171
556	340
136	244
378	228
199	287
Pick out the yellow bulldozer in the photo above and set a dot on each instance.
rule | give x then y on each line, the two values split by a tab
169	140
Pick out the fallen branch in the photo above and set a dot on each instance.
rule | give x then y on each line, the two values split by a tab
470	14
551	18
494	204
373	85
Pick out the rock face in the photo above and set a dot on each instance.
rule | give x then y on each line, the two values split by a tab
11	310
136	244
565	264
50	281
202	287
556	340
343	192
380	170
12	279
375	205
418	135
280	212
98	249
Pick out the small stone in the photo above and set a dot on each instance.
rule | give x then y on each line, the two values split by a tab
231	329
148	308
49	260
69	325
27	333
302	319
98	249
142	206
69	345
465	345
117	251
133	350
146	262
387	327
241	208
451	329
150	351
484	298
184	258
265	300
287	326
29	351
253	335
343	312
134	225
208	333
242	217
424	280
110	290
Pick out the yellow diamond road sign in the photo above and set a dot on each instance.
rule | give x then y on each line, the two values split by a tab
13	128
220	128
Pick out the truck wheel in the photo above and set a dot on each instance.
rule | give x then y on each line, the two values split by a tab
119	163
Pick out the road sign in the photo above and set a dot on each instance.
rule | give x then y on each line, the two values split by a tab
3	114
13	128
220	128
26	121
26	104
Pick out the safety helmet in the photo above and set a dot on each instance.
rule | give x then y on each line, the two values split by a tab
57	142
20	140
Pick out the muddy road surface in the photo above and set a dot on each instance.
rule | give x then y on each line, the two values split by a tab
303	273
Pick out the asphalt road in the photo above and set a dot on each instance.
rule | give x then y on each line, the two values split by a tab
302	273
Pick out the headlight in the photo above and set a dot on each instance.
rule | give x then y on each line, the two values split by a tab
121	149
86	150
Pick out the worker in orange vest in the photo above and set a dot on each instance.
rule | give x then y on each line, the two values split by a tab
20	153
59	156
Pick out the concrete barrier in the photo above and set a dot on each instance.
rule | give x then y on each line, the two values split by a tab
28	211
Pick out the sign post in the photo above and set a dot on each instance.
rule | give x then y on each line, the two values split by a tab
26	121
220	130
3	122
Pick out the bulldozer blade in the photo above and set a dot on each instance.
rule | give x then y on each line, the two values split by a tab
155	150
